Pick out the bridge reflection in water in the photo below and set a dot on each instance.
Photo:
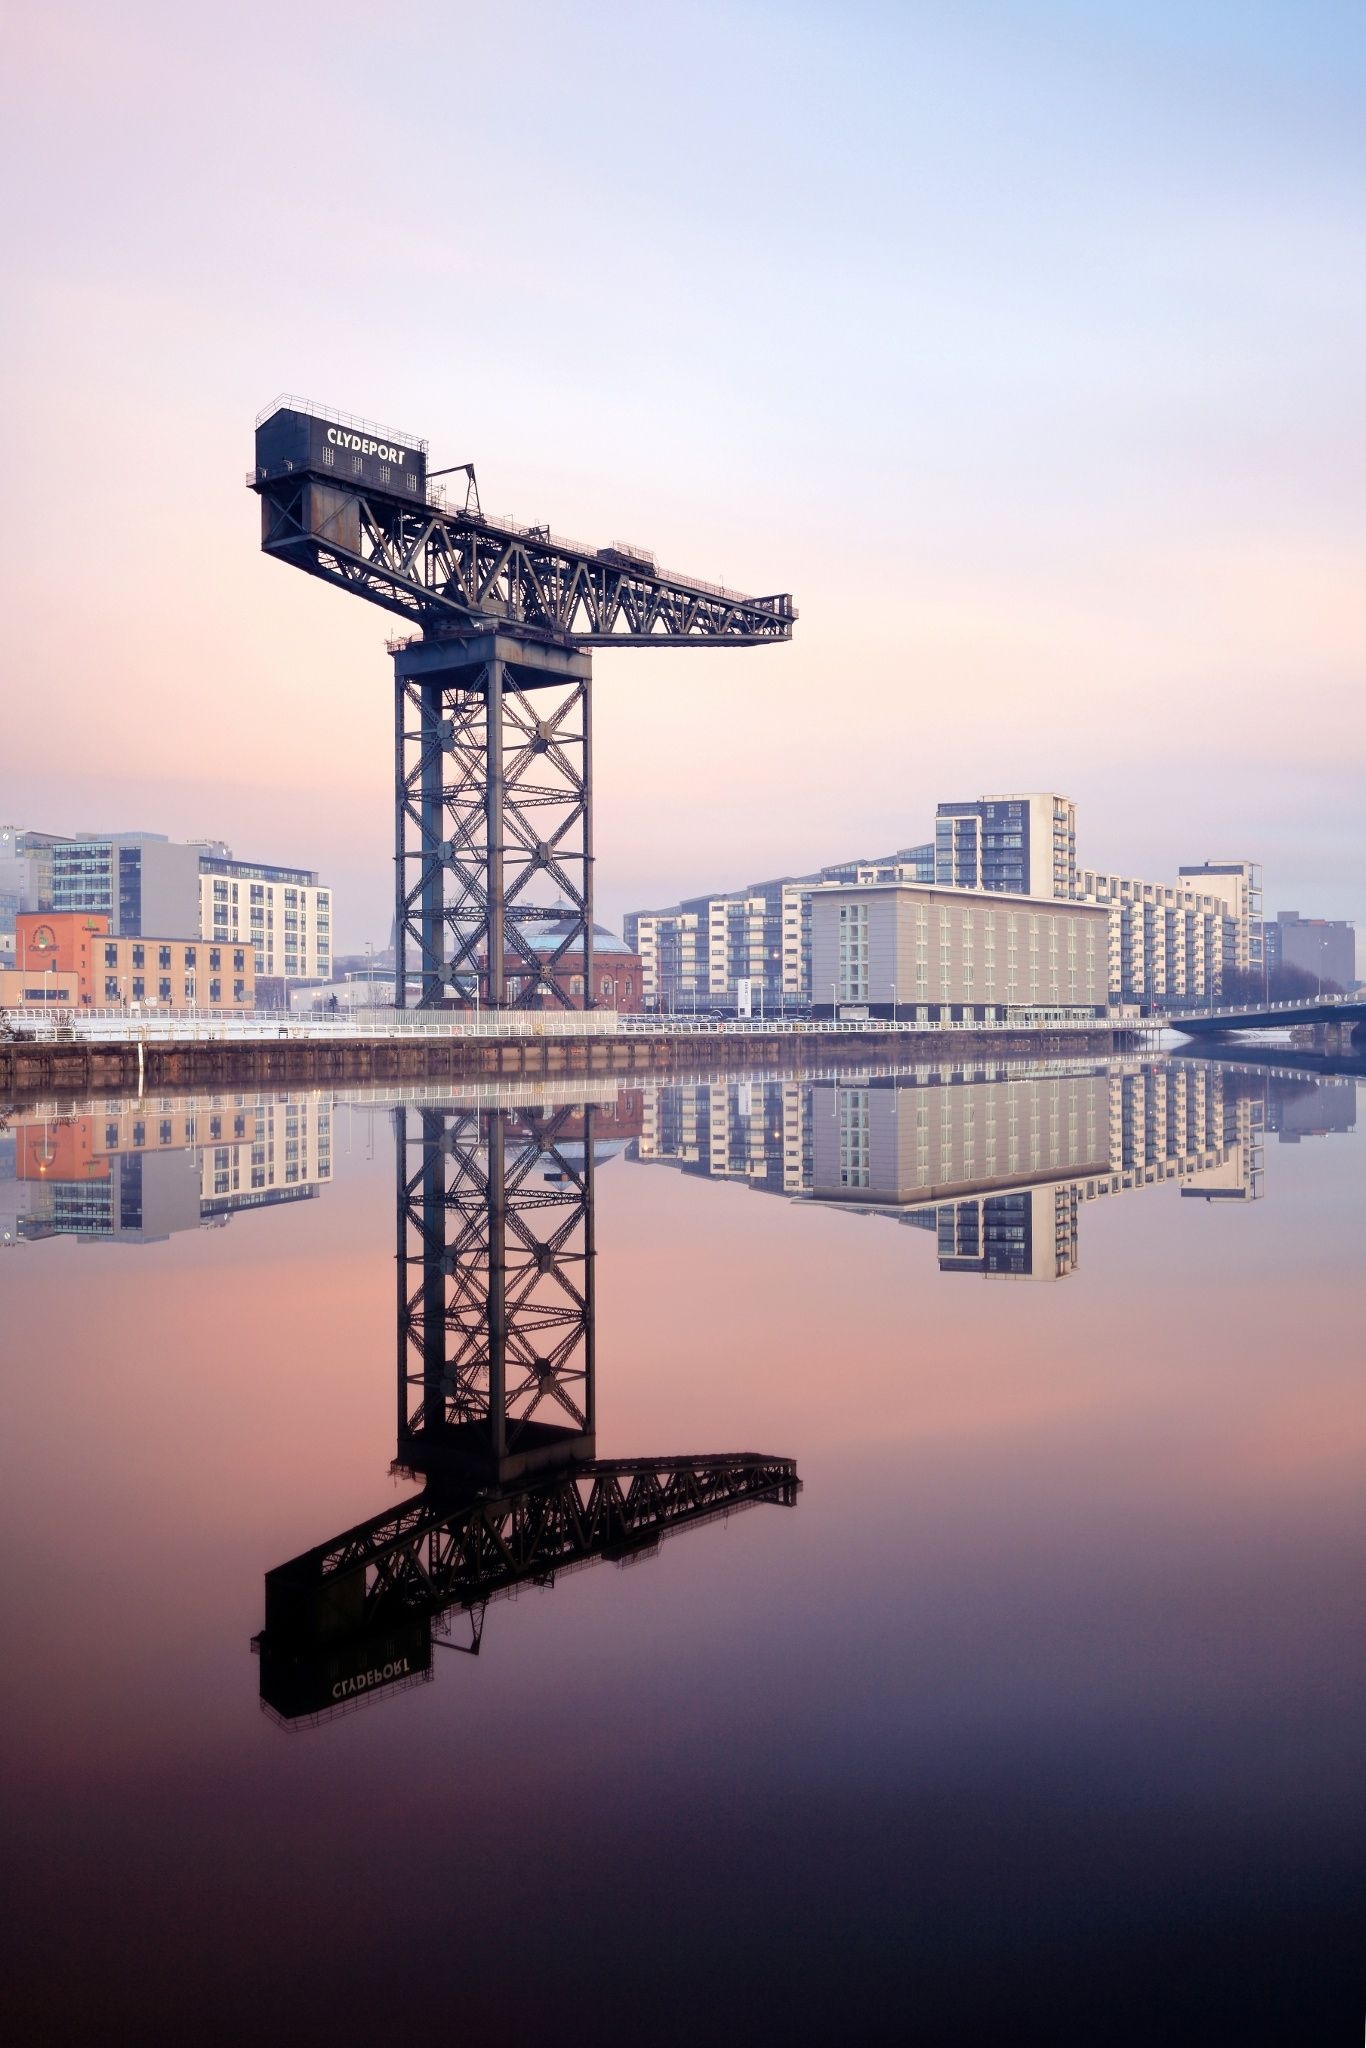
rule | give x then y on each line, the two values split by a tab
496	1415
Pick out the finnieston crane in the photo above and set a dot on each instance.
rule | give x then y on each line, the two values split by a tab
493	778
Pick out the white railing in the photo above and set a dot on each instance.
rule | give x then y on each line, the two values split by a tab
229	1027
1288	1007
290	401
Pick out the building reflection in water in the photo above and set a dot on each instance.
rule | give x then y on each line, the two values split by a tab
995	1160
137	1170
496	1416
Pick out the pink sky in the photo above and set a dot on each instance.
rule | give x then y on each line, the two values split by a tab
1026	354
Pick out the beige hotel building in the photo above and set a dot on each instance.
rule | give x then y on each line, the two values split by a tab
933	955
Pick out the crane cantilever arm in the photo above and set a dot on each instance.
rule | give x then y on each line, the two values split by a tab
455	571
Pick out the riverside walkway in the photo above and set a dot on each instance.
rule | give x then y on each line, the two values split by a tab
111	1050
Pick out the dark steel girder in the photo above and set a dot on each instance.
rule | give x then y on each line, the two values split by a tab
435	1552
451	572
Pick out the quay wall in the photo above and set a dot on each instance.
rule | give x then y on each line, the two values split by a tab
92	1067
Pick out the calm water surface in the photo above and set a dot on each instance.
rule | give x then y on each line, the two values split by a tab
969	1465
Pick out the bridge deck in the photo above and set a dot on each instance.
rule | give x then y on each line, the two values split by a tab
1347	1010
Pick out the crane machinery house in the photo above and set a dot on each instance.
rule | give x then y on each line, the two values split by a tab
290	439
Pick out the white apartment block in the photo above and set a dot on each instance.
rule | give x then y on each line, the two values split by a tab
259	1150
758	1132
1165	943
1238	885
281	912
1176	942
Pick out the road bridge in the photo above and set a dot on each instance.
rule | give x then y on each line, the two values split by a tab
1344	1011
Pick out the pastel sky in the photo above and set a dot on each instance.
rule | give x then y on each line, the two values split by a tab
1023	343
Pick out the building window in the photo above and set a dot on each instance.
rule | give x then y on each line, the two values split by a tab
111	988
139	988
138	956
164	989
111	1137
111	956
215	960
164	956
215	991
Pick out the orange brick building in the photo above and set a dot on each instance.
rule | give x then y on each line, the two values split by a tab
68	960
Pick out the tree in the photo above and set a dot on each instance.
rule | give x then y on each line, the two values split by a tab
1282	984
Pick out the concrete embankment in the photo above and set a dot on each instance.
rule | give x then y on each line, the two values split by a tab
89	1066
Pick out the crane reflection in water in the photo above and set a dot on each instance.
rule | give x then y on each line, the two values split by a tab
496	1417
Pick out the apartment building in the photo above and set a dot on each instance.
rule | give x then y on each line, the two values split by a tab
283	913
995	1159
905	950
757	1133
1167	940
998	1167
1238	886
1165	944
700	951
25	880
1025	845
136	1171
140	881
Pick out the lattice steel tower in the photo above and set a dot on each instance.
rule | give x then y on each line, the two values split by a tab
493	777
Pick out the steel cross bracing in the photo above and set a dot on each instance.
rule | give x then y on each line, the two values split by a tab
454	571
495	1287
493	861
